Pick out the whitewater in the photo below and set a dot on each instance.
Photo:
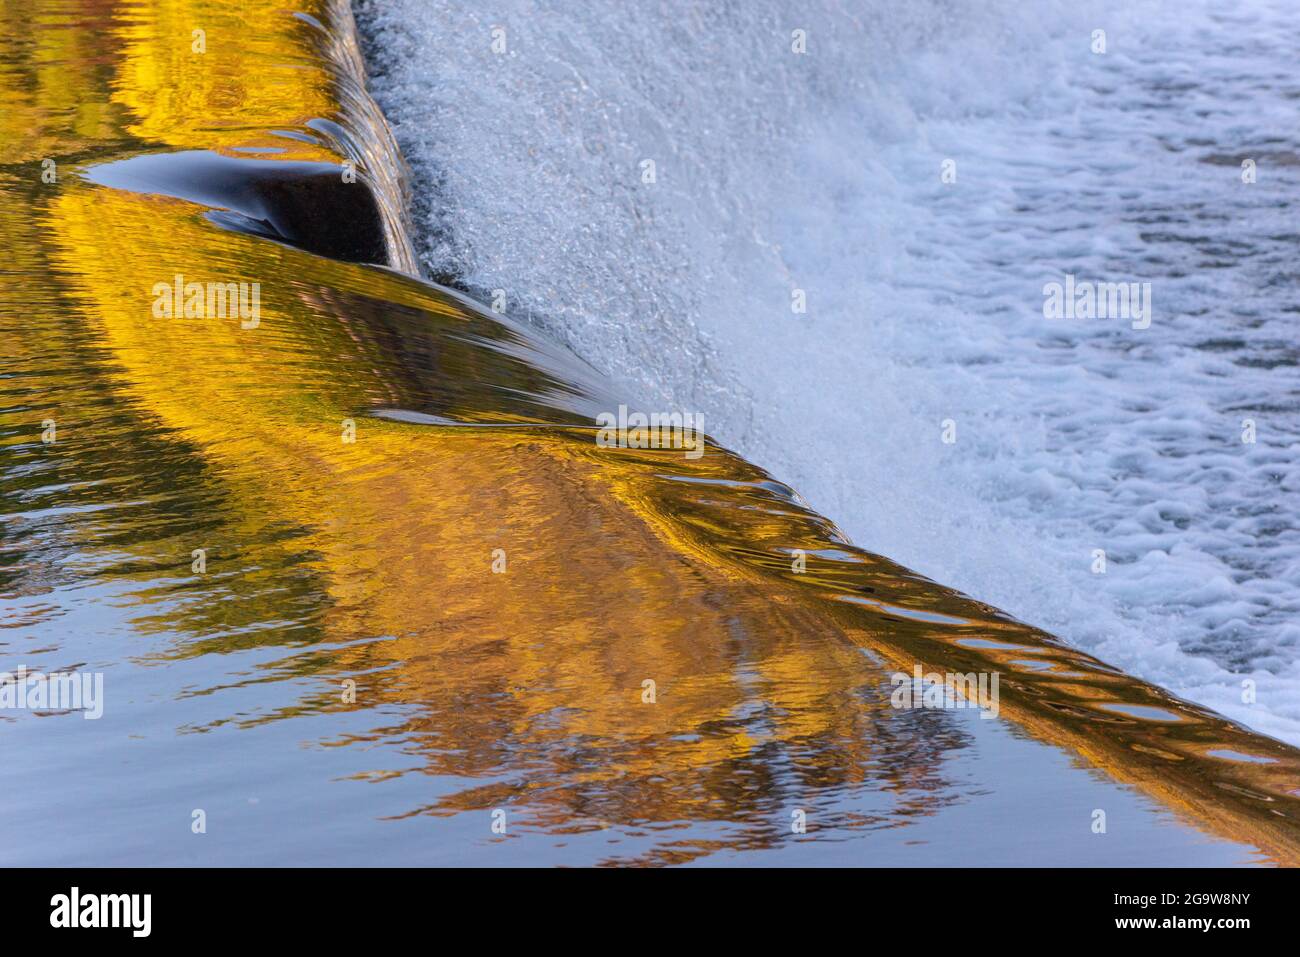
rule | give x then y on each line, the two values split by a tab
828	229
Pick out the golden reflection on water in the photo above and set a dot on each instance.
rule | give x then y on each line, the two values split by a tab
372	561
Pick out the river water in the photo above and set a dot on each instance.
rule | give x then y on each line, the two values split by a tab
353	579
1112	158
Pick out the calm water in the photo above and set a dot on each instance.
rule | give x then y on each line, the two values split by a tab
360	585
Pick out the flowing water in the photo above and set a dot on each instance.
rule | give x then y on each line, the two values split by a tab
358	583
777	171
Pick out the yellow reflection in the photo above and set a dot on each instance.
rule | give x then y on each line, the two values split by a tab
213	75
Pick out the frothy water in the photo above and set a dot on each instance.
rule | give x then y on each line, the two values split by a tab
821	172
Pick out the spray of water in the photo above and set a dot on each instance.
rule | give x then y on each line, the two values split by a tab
664	186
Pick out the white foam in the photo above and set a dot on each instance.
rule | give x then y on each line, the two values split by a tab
821	172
